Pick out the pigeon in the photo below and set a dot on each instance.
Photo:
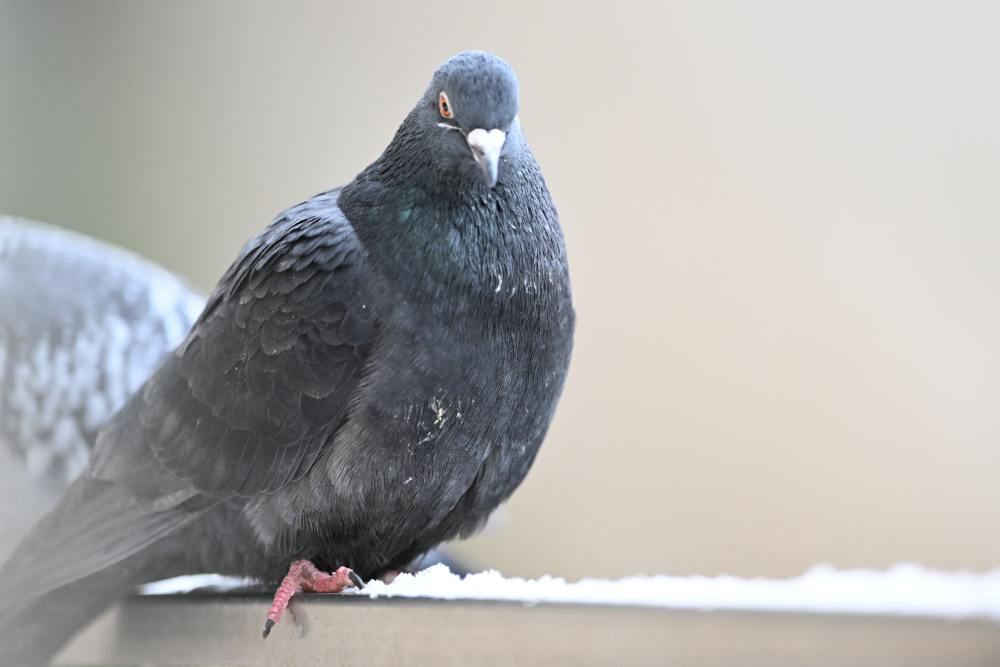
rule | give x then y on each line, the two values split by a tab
83	323
373	376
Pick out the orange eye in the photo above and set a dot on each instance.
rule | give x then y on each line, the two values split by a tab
444	106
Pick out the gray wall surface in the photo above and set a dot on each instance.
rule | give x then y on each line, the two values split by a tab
783	222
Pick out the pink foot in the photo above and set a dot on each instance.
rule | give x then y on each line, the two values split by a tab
303	576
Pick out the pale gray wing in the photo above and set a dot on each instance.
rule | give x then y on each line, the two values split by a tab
83	324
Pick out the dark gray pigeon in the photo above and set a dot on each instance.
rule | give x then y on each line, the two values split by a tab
372	376
82	325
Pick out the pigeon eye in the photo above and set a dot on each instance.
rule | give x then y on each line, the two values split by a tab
444	106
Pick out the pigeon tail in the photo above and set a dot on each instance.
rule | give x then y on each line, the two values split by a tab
94	547
33	631
36	631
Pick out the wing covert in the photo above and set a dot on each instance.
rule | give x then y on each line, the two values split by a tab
247	402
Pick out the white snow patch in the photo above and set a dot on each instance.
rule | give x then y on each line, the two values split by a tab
188	583
904	589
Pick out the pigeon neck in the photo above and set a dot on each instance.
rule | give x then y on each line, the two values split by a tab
431	236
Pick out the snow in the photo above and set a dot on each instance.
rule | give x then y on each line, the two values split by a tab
187	583
904	589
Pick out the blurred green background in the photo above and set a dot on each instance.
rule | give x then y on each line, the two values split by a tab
783	222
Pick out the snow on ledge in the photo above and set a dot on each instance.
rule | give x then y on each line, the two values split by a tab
216	583
904	589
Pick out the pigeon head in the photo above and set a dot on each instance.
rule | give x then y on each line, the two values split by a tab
471	106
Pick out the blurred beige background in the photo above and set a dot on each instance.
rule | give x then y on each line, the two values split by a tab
783	224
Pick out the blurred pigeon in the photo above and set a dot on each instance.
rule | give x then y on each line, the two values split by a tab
82	325
372	376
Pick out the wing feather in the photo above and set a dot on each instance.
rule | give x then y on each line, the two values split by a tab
248	401
243	406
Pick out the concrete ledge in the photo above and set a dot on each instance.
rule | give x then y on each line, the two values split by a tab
225	629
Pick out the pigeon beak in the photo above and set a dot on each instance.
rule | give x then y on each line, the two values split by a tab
486	149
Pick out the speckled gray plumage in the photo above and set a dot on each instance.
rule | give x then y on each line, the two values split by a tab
374	375
82	325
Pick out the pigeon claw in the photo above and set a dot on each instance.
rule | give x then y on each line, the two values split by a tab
303	576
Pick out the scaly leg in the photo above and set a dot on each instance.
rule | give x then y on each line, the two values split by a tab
303	575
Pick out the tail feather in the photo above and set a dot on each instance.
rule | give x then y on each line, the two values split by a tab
94	547
42	625
96	524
